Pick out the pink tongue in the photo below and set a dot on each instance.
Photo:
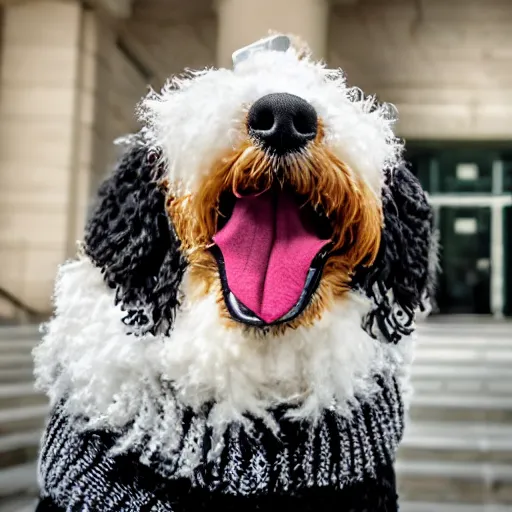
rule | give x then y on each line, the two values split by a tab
267	253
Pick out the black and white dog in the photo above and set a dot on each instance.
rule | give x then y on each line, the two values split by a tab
237	328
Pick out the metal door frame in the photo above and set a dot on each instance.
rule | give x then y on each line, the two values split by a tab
497	204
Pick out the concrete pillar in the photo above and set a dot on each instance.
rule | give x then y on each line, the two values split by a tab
93	143
53	73
241	22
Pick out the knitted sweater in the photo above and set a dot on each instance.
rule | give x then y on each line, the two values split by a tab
160	402
335	462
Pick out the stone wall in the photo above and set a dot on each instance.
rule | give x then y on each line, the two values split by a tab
168	47
446	64
66	90
38	105
69	84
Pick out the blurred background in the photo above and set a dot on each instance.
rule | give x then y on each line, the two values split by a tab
71	73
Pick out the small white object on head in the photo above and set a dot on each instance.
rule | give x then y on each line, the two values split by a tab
198	120
278	43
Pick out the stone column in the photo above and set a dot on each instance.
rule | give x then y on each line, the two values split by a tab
241	22
53	72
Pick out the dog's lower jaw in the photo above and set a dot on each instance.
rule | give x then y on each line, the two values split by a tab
202	280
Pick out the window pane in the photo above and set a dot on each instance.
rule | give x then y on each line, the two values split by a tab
465	171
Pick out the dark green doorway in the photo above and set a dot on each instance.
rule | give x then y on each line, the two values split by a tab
465	281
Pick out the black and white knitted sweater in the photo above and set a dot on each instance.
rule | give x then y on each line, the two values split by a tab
158	404
337	462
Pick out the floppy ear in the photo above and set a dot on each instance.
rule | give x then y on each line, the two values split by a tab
129	237
401	281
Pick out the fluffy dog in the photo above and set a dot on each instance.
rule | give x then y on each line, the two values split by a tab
237	328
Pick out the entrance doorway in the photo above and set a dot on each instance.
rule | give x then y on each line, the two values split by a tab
470	188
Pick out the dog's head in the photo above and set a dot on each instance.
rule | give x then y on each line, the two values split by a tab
275	177
264	245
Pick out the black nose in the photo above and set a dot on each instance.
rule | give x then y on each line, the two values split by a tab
282	122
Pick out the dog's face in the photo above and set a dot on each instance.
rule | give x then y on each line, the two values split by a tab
275	176
272	191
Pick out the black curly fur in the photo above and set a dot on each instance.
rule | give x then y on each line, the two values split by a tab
403	263
129	237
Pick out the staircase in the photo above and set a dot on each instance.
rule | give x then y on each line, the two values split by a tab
456	454
22	415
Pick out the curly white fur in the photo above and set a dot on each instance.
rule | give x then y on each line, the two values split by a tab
196	120
114	378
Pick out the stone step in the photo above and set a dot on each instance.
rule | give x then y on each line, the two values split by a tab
456	356
19	394
472	386
16	360
461	407
19	447
21	503
30	331
464	327
19	419
17	346
462	323
17	390
18	440
477	342
410	506
492	336
12	375
474	370
486	472
472	429
462	401
455	482
17	479
472	377
457	442
474	338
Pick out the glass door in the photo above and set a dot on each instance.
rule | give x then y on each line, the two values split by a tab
465	281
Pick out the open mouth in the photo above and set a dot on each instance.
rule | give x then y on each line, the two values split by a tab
270	248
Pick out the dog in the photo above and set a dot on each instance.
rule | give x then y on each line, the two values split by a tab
237	327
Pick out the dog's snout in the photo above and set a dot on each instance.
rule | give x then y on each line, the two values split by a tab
282	122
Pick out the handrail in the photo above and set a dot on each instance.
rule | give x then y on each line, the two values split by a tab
19	304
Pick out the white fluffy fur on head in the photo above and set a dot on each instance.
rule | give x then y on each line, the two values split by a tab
197	119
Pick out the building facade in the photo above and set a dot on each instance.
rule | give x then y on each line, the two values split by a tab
71	73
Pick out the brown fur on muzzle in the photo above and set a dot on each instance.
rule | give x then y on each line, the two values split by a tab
318	176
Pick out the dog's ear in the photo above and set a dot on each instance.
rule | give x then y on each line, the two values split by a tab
129	237
401	281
